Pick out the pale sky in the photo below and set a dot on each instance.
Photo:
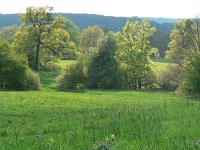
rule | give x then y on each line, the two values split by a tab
129	8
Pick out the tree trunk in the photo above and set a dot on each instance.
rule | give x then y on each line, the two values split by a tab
37	54
140	84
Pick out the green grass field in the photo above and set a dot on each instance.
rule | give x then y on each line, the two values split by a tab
76	120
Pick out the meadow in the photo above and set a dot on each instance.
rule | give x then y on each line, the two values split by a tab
76	120
161	65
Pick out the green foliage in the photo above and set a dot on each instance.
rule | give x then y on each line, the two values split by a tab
7	33
72	29
68	38
42	37
13	68
181	40
32	80
191	82
14	72
91	37
134	52
70	54
77	75
159	40
171	78
103	69
74	76
185	48
103	66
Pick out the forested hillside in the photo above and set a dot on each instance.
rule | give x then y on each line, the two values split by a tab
159	40
85	20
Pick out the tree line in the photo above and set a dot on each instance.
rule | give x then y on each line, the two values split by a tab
160	39
104	59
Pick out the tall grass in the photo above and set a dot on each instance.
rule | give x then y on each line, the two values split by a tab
59	120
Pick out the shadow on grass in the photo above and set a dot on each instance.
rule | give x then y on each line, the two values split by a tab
72	91
48	78
113	90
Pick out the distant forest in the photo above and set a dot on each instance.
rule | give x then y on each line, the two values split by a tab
159	40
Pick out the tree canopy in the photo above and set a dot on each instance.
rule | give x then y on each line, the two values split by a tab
41	36
134	52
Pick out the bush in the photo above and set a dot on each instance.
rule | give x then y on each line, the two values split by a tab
72	77
170	79
149	81
65	80
32	80
13	68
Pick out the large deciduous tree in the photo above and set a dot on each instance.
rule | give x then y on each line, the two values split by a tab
42	35
181	40
134	52
185	49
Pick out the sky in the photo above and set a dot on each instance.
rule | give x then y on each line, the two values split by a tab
128	8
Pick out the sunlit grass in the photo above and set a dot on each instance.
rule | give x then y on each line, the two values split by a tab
63	63
161	65
140	120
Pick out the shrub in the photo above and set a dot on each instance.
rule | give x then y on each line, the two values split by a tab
32	80
149	81
170	79
72	77
13	68
65	80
